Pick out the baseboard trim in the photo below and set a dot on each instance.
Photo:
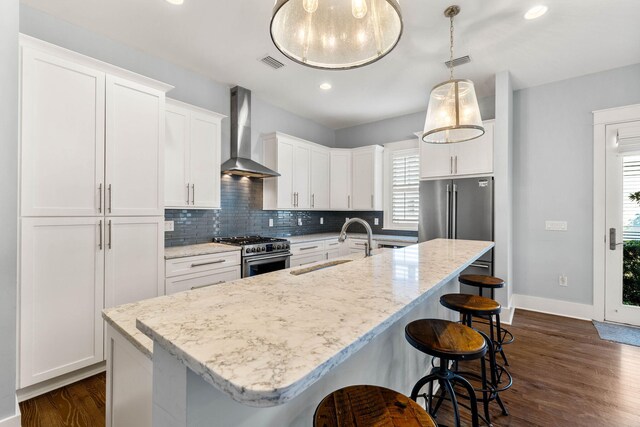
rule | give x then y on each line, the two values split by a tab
506	317
58	382
14	420
552	306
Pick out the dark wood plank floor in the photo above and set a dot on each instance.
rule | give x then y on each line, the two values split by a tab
564	375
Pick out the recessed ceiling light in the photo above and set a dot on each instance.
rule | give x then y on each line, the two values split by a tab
176	2
536	12
325	86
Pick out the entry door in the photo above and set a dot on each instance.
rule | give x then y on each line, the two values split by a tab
622	295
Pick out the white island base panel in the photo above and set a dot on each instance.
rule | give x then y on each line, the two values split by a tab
182	398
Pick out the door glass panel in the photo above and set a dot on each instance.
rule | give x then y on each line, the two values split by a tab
631	230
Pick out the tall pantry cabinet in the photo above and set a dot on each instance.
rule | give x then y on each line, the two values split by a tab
91	204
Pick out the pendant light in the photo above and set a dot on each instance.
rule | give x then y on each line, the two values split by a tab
336	34
453	114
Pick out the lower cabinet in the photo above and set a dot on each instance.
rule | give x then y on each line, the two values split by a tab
72	268
356	246
129	383
302	260
195	272
61	296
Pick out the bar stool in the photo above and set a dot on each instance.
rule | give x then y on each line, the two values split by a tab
368	406
449	342
481	282
486	308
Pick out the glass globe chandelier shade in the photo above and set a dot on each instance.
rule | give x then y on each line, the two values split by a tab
336	34
453	114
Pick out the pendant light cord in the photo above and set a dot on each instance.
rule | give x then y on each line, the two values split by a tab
451	48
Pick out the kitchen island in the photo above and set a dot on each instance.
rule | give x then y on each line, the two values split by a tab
265	350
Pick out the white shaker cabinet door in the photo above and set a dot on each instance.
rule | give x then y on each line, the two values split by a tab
475	157
285	191
134	266
177	188
61	296
62	137
205	161
134	149
340	188
320	181
301	170
363	180
436	160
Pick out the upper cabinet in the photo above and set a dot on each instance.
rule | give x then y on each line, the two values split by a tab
340	188
473	157
192	157
92	136
320	178
367	178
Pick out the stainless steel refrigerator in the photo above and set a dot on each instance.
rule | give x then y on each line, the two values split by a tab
459	209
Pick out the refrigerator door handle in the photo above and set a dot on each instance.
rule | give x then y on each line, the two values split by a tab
454	209
448	217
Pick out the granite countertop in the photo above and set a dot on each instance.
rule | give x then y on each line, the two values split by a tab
200	249
265	339
326	236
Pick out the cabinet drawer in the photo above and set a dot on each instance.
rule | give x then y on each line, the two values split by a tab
359	244
332	244
334	253
307	248
201	263
302	260
201	280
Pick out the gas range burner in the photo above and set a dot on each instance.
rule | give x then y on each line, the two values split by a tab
256	245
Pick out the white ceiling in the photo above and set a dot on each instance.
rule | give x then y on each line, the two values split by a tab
223	39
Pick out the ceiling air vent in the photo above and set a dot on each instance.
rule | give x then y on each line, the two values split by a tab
271	62
458	61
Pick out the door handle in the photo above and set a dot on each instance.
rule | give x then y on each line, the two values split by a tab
448	215
100	228
612	239
188	195
110	197
109	243
100	199
193	194
454	208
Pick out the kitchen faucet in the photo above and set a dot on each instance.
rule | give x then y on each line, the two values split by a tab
343	233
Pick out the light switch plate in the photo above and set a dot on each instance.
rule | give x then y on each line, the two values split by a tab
168	226
321	221
563	280
556	226
270	222
299	221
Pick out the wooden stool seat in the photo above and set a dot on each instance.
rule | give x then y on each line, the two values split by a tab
369	406
445	339
471	304
481	281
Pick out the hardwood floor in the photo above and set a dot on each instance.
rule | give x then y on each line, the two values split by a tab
81	404
564	375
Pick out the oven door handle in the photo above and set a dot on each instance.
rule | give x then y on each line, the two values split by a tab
279	255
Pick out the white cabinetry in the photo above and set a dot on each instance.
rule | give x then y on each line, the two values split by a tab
192	157
320	181
61	295
188	273
340	179
367	178
473	157
291	157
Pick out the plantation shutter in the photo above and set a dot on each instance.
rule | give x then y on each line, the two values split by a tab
405	180
631	210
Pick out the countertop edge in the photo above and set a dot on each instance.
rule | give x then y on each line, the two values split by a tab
280	396
131	339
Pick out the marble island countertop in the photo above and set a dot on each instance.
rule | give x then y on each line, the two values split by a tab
265	339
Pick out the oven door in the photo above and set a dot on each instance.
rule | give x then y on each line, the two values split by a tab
255	265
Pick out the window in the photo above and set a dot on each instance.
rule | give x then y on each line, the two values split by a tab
402	201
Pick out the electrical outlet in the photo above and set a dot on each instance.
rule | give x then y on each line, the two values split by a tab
321	221
376	221
556	226
299	221
270	222
563	280
168	226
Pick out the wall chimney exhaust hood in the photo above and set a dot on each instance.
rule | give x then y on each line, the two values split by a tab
240	162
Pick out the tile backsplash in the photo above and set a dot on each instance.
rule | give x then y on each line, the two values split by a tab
242	214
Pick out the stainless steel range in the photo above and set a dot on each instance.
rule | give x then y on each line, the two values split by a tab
260	254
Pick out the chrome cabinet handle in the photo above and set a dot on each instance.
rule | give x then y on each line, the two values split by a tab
456	169
193	194
372	201
206	286
110	197
100	199
313	200
220	261
109	244
310	247
451	165
486	267
100	228
293	200
188	195
349	202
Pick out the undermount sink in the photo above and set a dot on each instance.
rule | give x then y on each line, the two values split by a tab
320	266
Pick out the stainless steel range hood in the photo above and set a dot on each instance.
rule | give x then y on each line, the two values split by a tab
240	162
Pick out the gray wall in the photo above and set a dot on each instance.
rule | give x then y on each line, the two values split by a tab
8	207
190	87
396	128
553	179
